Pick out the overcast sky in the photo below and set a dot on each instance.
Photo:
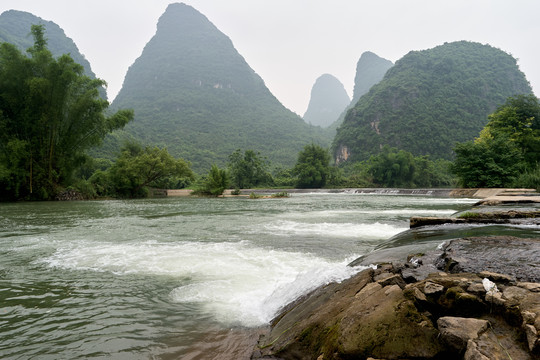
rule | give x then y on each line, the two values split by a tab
290	43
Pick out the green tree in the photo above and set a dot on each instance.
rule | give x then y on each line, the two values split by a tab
248	169
312	167
215	183
507	152
51	114
518	121
392	167
493	163
138	168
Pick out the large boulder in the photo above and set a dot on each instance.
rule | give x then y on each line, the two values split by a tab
375	314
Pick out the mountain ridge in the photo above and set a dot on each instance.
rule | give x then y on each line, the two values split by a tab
15	29
195	94
429	100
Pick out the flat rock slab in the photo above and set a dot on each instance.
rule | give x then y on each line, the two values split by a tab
457	331
517	257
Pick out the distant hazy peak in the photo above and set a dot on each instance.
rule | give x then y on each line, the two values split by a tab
328	100
370	69
15	28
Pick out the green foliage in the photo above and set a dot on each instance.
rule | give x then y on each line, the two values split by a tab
281	194
529	179
214	184
312	167
469	215
392	167
518	121
14	26
284	177
494	163
248	170
50	114
507	153
138	168
397	168
252	195
429	100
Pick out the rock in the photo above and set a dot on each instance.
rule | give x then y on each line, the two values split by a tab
359	319
368	291
370	315
473	353
500	278
431	288
532	337
393	280
528	317
457	331
517	258
495	298
534	287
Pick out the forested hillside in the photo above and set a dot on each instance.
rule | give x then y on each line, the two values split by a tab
195	94
429	100
370	69
328	100
15	29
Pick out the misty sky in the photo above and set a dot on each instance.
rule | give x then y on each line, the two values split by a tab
290	43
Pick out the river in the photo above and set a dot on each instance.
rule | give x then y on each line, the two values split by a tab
156	278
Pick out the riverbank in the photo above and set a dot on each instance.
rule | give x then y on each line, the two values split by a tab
479	193
473	298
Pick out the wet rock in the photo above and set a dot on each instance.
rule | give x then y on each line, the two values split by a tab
69	195
457	331
517	258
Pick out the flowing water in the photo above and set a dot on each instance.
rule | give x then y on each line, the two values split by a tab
160	278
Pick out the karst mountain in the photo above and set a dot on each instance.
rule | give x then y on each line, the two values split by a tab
15	28
193	93
328	100
429	100
370	69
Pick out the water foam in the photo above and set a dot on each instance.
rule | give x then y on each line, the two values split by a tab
236	283
333	230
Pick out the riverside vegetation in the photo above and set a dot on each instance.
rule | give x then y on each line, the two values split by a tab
45	156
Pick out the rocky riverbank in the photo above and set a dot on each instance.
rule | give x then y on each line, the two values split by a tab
407	311
473	298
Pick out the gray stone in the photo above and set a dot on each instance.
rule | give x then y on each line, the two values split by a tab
531	286
477	288
393	280
532	337
473	353
528	317
368	291
457	331
495	298
431	288
498	278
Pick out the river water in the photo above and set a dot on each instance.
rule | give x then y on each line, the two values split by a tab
161	278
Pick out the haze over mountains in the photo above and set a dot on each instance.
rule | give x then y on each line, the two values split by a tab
15	29
370	69
193	93
328	99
